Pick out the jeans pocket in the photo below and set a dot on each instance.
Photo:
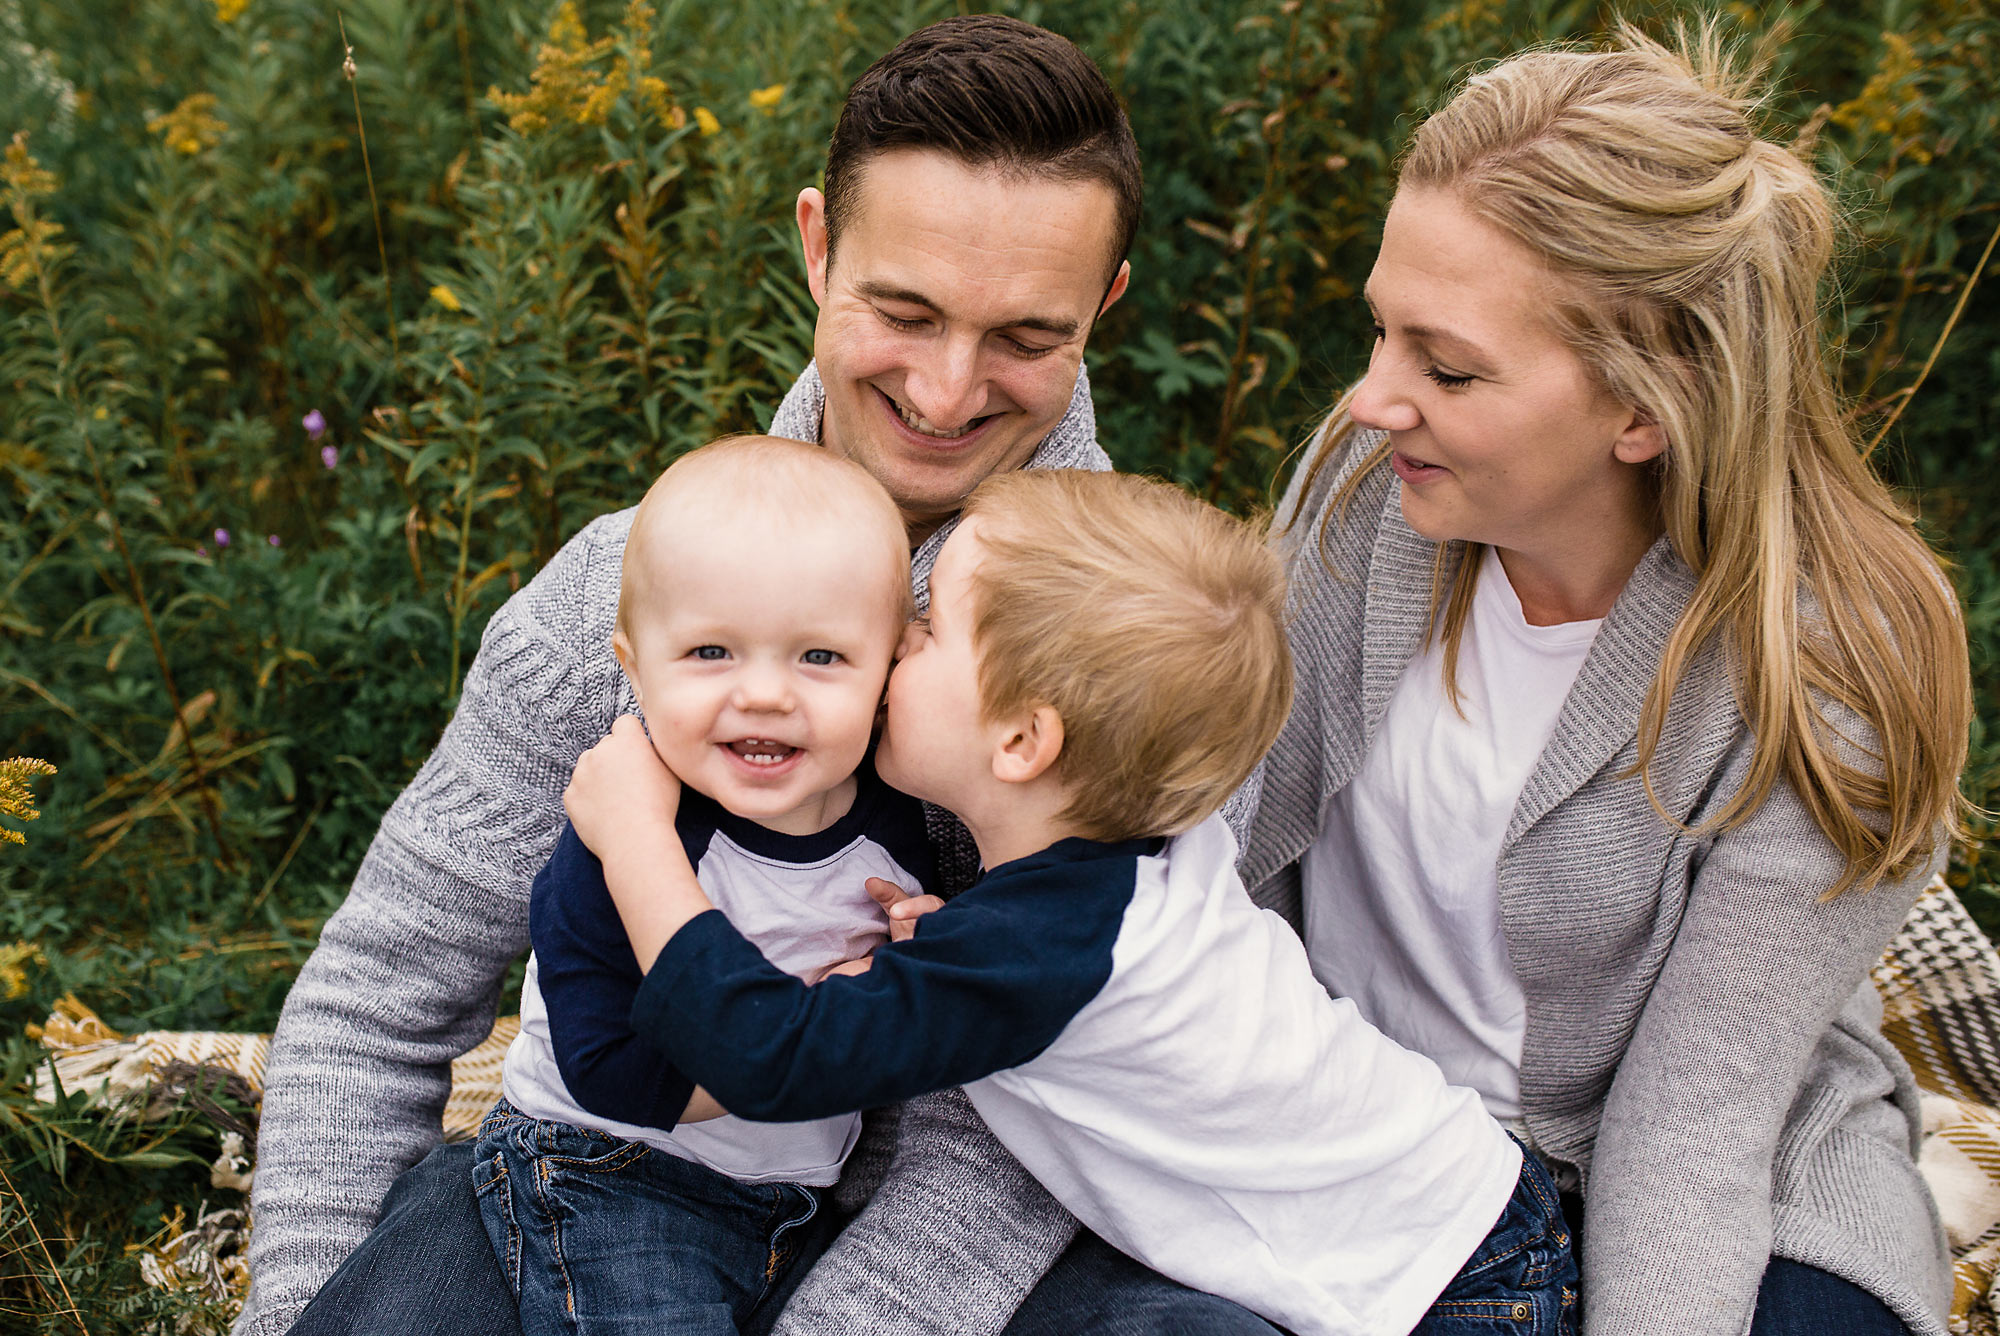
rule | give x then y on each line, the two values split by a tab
1522	1277
791	1227
493	1189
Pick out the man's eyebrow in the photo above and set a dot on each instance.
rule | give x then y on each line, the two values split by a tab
889	292
875	290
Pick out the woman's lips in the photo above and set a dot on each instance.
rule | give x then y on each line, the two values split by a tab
1414	470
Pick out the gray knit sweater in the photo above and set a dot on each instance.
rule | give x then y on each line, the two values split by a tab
1702	1045
407	976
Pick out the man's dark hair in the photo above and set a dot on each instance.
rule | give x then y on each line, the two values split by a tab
990	91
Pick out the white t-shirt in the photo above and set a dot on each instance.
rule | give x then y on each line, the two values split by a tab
1402	898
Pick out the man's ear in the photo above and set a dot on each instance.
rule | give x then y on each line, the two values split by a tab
1117	288
1642	441
621	645
1028	745
812	240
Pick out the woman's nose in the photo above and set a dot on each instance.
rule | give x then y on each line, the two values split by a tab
1379	401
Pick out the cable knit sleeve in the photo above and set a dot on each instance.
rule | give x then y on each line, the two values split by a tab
950	1244
407	972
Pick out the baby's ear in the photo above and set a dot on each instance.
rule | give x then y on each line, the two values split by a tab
1027	745
621	645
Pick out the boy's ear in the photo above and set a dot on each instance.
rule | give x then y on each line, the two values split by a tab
621	645
1028	745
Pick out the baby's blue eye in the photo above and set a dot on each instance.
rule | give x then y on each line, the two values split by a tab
821	658
710	653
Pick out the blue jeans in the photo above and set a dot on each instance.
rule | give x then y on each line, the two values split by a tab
1522	1278
600	1236
427	1269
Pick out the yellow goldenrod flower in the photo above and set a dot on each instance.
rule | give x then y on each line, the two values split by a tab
705	120
228	11
13	974
446	298
562	78
765	99
579	80
23	176
1892	104
29	251
16	798
190	127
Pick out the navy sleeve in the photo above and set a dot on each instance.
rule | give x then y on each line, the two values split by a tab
988	982
589	978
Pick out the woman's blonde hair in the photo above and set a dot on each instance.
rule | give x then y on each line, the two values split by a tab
1153	624
1691	253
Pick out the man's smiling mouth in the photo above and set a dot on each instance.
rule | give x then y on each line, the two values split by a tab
921	425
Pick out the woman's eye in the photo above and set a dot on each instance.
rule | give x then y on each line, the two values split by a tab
1446	379
821	658
1376	332
710	653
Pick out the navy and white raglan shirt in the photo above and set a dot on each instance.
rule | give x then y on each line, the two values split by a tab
1155	1049
802	898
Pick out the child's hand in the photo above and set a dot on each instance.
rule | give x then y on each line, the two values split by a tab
621	797
902	908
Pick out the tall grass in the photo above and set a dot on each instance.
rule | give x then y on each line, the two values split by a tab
272	449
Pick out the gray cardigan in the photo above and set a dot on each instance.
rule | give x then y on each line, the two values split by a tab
1702	1047
407	976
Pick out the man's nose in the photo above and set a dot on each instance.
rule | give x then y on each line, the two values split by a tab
944	384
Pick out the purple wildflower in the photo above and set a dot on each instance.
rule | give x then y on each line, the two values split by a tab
222	538
274	540
200	551
329	455
315	424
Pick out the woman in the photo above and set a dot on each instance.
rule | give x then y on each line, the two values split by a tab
1631	706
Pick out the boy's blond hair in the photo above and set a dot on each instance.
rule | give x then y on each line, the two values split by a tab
1151	622
760	480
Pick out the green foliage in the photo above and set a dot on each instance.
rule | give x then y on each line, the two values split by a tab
237	634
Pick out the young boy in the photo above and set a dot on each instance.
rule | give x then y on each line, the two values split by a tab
765	587
1103	663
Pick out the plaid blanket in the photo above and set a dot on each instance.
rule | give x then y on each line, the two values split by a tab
1939	980
1940	986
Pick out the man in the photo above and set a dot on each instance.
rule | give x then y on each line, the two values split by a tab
982	190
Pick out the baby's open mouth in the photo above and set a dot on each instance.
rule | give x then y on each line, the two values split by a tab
762	751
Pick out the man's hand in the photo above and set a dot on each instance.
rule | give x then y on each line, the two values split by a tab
621	798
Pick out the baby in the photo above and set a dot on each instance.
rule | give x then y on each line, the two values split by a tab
765	587
1103	663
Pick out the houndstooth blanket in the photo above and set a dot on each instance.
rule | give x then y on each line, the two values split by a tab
1939	980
